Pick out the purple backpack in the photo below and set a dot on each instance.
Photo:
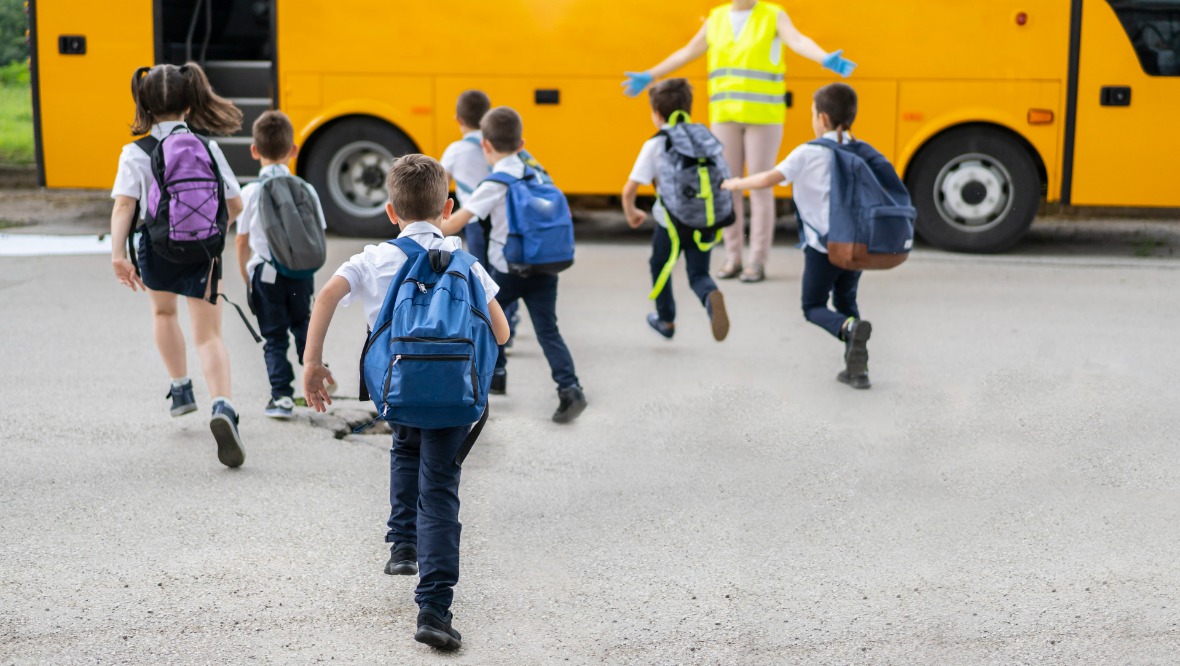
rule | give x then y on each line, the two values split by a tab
186	216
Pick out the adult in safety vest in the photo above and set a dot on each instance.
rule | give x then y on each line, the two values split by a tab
747	106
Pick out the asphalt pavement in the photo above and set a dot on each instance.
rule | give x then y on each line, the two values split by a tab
1007	492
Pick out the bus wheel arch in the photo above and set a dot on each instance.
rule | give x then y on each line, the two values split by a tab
346	160
977	187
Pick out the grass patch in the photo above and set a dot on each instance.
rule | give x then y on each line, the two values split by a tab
16	115
8	224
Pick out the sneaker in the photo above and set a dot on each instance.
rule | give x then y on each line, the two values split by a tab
856	351
282	408
224	425
573	403
499	382
855	381
403	559
437	631
730	270
755	273
183	400
664	328
718	317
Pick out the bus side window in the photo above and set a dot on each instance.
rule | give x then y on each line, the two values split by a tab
1154	30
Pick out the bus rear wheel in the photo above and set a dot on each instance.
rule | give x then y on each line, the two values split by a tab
976	190
347	166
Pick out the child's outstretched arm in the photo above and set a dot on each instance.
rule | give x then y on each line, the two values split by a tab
758	181
635	217
315	375
121	223
452	225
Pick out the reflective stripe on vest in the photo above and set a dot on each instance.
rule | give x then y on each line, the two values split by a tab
745	84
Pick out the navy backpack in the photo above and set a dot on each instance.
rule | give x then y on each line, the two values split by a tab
540	226
871	223
428	362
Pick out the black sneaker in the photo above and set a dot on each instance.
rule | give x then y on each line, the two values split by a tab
183	400
855	381
499	382
856	351
573	403
437	632
281	408
224	425
664	328
403	559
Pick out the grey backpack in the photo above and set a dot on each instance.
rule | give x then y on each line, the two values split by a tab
291	221
688	177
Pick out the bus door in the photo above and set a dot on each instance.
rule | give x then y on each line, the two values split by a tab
1126	140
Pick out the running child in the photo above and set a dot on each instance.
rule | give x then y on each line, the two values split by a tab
464	162
172	104
809	170
424	475
673	97
285	207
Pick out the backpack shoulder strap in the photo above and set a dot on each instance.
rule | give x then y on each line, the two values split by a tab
410	246
472	140
503	178
147	144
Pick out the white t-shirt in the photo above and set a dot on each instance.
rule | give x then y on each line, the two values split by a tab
489	199
370	272
250	223
465	162
739	18
135	169
809	171
646	170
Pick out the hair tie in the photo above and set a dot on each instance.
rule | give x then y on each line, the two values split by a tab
184	69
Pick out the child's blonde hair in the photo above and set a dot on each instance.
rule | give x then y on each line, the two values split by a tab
417	187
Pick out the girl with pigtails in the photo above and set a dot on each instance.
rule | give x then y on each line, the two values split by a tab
173	106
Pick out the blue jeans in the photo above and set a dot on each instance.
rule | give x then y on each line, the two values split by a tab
539	293
424	506
821	279
696	263
283	310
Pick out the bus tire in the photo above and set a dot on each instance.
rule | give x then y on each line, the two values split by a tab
347	165
977	189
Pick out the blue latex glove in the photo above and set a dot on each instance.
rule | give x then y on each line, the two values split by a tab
635	83
839	64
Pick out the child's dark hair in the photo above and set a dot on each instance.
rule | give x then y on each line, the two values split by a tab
838	101
168	90
669	96
417	187
503	128
471	106
274	137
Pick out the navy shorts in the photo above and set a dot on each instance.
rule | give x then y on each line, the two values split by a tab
159	274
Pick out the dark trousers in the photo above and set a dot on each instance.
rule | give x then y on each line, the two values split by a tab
283	310
424	506
821	279
539	293
696	262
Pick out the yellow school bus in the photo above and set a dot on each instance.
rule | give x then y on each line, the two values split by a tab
987	107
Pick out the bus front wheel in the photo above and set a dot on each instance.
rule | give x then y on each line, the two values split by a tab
347	165
976	189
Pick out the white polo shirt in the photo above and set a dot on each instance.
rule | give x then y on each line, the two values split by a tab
490	199
646	169
135	169
250	221
809	171
370	273
465	163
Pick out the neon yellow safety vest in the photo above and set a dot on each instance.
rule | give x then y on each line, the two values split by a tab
745	85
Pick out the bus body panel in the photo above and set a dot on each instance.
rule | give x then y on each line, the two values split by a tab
1124	155
86	108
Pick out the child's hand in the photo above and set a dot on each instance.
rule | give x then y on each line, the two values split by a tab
730	185
636	218
126	275
316	378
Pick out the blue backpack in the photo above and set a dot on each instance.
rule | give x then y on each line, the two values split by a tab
871	222
540	226
428	362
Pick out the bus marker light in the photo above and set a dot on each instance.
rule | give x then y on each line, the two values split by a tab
422	110
1021	18
1040	116
913	116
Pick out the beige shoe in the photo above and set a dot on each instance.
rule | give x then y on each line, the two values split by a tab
755	273
718	317
729	271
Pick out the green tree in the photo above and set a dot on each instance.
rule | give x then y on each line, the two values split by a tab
13	23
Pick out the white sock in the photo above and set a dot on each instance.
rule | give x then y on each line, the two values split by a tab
177	382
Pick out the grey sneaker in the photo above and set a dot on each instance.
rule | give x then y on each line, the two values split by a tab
282	408
572	404
183	400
